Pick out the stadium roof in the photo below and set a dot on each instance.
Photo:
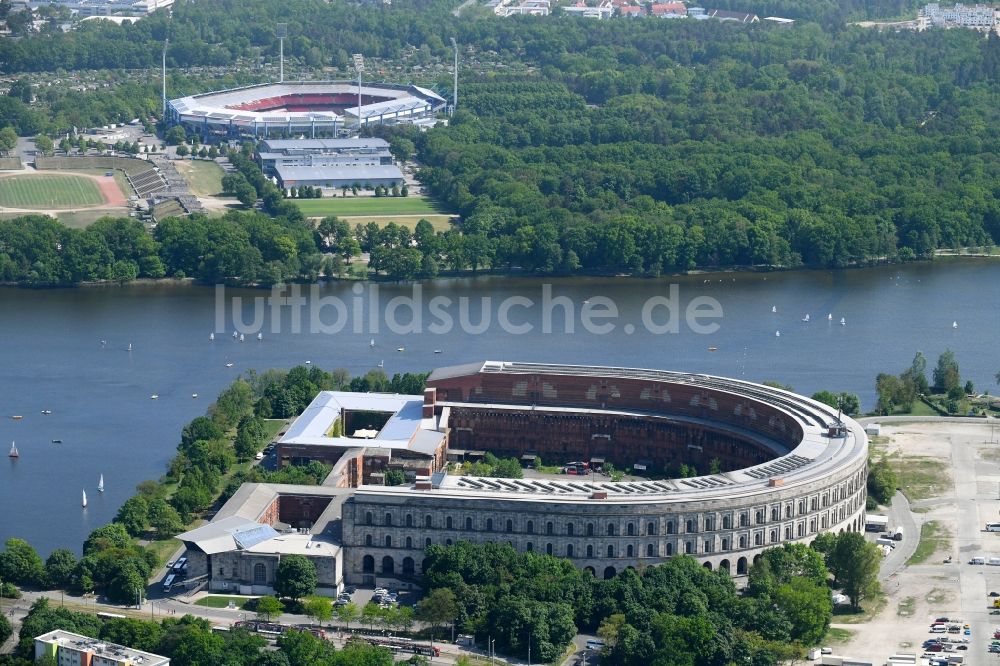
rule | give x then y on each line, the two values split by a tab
277	145
358	174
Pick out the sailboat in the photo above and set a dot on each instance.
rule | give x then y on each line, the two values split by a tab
241	337
399	349
777	334
13	451
954	324
371	343
211	336
129	346
806	318
84	499
100	484
381	364
829	316
260	336
774	308
235	334
843	322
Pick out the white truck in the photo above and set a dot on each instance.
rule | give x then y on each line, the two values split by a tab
875	523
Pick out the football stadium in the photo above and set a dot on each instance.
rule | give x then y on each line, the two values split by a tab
313	109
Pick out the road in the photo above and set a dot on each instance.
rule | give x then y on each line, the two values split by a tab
899	515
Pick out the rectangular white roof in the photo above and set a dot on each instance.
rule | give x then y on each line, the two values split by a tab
312	426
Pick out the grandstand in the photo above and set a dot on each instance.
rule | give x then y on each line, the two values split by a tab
142	175
310	108
172	207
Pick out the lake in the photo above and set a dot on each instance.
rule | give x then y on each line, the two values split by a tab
99	394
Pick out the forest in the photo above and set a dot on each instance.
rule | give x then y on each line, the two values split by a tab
615	147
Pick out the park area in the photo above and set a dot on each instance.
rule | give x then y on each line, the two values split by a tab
49	191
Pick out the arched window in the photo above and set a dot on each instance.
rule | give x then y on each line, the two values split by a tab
758	517
670	527
609	573
468	523
727	522
774	513
630	529
259	574
725	544
368	564
670	549
530	547
409	520
590	551
801	530
611	529
409	542
743	542
590	529
788	532
388	541
408	566
388	565
774	535
758	539
548	549
388	519
549	529
802	507
689	526
569	529
788	511
447	542
427	542
447	522
489	524
649	550
569	550
510	526
428	521
369	519
650	528
708	547
744	519
688	547
741	566
369	540
629	551
611	551
530	527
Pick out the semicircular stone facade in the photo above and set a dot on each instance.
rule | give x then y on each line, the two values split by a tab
786	469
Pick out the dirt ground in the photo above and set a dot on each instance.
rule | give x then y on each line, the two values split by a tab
962	499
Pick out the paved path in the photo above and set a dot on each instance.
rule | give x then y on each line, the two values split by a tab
900	516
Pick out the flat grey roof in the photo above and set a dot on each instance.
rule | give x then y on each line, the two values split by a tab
102	650
357	173
312	426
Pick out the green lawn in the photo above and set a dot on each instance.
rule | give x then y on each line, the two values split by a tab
371	206
438	222
44	191
932	539
221	601
272	426
204	177
920	477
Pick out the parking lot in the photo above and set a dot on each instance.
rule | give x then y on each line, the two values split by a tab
920	594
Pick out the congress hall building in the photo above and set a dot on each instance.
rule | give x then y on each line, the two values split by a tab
775	467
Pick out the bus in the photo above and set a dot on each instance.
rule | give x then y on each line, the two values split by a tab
220	629
168	582
993	527
180	566
110	616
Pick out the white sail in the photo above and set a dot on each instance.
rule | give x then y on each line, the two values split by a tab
85	498
13	451
774	308
100	484
371	343
211	336
260	336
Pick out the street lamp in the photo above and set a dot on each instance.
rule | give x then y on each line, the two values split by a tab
454	103
359	65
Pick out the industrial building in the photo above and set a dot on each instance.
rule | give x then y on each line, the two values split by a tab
329	163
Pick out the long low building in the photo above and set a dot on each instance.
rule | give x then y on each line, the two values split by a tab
775	468
334	177
68	649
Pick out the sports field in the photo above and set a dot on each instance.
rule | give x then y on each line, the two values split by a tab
368	206
44	191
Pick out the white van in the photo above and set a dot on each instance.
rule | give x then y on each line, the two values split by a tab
993	527
883	541
977	560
